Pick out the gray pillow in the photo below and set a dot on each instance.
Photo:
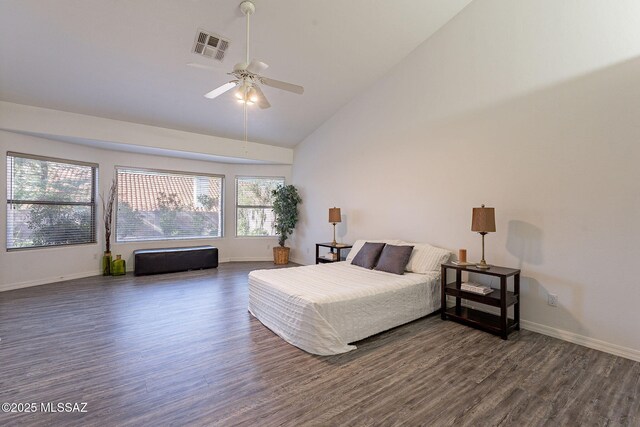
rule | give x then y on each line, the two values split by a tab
367	257
394	259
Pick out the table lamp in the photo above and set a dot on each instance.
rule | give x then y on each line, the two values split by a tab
483	221
334	218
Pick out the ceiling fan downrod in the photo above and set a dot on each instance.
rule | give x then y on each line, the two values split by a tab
248	8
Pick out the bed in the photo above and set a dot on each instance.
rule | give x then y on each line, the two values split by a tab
324	308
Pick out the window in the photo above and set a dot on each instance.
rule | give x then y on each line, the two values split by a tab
50	202
254	205
161	205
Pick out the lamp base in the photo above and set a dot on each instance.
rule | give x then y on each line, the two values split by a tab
483	265
333	242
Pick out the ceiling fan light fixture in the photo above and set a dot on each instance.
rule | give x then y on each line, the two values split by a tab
241	91
252	95
248	76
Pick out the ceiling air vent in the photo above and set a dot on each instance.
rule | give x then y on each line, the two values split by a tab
210	45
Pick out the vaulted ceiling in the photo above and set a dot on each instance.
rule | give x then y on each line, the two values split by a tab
126	60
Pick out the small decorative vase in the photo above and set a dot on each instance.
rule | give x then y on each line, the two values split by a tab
118	266
106	264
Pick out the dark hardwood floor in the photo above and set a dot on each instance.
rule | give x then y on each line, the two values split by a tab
181	349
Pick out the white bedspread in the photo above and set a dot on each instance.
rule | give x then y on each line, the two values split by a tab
322	308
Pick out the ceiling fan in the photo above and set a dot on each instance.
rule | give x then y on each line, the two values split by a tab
248	75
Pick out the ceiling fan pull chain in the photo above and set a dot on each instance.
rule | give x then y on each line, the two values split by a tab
246	125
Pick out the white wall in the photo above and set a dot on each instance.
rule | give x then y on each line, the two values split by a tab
529	106
38	266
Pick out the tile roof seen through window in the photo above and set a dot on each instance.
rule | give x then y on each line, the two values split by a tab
143	190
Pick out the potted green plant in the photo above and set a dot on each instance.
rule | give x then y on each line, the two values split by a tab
285	209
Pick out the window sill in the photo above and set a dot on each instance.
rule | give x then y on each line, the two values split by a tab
186	239
255	237
51	247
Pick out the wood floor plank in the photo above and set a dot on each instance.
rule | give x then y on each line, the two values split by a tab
181	349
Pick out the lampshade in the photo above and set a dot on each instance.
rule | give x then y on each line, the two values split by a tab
334	215
483	220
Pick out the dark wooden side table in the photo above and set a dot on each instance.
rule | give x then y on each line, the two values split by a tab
502	298
331	247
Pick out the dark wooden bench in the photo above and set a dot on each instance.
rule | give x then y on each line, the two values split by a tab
170	260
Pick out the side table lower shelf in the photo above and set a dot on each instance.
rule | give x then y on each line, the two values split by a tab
336	249
321	260
479	319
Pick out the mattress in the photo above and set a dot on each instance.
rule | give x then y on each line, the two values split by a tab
324	308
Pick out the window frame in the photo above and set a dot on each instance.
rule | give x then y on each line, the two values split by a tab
91	204
235	225
175	172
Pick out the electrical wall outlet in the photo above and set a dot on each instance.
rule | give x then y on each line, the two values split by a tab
552	300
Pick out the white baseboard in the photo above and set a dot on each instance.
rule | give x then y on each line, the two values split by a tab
249	259
245	259
618	350
47	280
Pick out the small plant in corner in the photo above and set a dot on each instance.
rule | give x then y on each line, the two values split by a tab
285	209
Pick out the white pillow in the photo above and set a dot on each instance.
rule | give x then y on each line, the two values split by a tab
360	243
425	258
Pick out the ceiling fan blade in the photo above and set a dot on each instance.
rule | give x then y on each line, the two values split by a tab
283	85
257	67
201	66
220	90
262	100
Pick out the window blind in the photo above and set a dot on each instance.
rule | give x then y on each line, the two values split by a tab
162	205
50	202
254	205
